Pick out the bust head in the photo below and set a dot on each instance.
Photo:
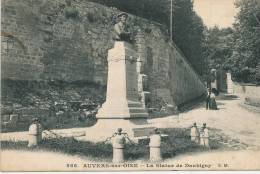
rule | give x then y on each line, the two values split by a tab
119	131
35	120
123	17
156	131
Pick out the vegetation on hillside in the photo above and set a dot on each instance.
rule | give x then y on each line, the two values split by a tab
57	104
236	49
187	25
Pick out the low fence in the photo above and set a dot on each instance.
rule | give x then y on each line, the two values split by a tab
248	90
250	93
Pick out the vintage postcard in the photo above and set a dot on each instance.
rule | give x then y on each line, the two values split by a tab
130	85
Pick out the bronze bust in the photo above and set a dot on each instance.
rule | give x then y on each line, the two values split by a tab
122	32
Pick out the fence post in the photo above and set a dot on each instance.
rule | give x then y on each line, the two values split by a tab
35	133
155	146
118	147
204	136
194	134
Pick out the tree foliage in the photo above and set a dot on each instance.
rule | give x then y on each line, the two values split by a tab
218	47
246	50
188	34
237	49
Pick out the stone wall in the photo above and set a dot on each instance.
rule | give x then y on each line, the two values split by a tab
248	90
58	40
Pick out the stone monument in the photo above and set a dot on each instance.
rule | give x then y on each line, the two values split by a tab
123	107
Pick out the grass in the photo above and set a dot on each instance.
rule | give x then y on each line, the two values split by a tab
178	143
97	151
67	146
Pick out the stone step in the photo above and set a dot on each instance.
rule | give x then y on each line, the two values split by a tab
135	105
137	110
139	115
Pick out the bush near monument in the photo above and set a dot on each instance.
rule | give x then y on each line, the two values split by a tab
58	105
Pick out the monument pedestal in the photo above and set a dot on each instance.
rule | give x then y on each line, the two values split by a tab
123	107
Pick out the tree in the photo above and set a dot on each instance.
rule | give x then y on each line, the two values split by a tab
246	54
218	47
196	44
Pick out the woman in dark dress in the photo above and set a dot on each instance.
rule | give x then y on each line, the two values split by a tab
208	98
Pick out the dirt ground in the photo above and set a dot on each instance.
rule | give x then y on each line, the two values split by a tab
231	119
231	125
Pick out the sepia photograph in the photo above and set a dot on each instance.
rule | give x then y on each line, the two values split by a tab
130	85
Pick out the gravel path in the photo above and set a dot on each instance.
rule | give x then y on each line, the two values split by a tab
231	119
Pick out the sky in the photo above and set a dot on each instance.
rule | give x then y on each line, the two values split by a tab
216	12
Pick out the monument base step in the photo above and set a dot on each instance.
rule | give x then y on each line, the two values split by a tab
105	128
133	110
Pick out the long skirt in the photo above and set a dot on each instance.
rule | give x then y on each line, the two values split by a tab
213	104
